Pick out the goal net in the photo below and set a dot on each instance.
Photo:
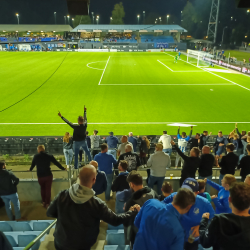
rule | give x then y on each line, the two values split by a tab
199	58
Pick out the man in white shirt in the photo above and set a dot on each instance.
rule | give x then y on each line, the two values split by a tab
95	139
158	162
165	139
121	148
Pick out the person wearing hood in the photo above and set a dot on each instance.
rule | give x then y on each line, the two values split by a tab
229	231
79	211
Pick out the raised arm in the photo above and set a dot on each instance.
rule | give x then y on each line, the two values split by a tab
213	184
85	115
190	134
55	162
184	157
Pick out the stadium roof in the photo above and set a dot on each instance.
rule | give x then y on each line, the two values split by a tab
127	28
35	27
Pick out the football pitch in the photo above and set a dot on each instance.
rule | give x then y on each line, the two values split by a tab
139	92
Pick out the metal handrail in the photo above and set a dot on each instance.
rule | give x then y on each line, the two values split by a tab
33	242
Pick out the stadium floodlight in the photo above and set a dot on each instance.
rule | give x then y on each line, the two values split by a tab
17	15
167	18
68	19
41	31
245	36
55	16
111	18
138	18
16	30
54	31
248	11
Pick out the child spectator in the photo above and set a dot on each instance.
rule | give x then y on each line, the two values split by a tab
221	200
119	184
202	187
166	190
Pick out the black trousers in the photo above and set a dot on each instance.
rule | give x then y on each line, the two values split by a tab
57	247
191	246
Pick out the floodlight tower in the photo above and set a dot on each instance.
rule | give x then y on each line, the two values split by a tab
213	20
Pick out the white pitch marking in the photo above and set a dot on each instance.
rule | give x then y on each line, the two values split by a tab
165	65
199	84
104	71
211	89
92	67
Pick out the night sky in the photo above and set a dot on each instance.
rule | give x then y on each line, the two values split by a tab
42	11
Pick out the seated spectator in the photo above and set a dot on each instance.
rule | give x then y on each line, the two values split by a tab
8	192
221	200
191	221
204	138
166	190
166	139
119	184
202	187
228	162
206	165
106	163
159	225
219	145
132	159
144	149
121	148
112	142
158	162
236	142
95	139
247	180
190	163
229	231
244	165
79	211
132	140
68	148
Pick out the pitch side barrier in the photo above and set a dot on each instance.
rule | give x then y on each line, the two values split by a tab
125	50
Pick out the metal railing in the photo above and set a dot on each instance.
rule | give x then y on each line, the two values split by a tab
33	242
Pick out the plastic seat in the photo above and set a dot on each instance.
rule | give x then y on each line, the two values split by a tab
11	240
24	240
22	226
115	237
5	227
18	248
110	227
116	247
40	226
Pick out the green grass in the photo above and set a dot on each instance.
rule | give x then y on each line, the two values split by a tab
238	54
135	88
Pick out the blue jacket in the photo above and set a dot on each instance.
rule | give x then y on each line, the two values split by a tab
194	215
159	227
112	141
105	162
124	195
221	203
133	141
100	185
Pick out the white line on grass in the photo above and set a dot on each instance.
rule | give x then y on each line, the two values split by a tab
104	71
201	84
92	67
214	74
164	65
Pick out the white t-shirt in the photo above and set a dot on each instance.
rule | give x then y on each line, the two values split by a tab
94	139
166	141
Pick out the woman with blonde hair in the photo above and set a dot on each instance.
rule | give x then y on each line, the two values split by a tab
144	149
68	148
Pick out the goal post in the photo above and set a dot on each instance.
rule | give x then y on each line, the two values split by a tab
199	58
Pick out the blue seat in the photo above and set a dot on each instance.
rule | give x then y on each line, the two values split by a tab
5	227
116	247
110	227
22	226
115	237
40	226
18	248
24	240
11	240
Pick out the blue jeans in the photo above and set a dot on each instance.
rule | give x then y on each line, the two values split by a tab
220	178
68	153
167	151
207	186
76	146
7	199
112	152
109	184
119	206
152	180
220	150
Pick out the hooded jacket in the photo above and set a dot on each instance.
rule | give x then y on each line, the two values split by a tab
8	182
226	232
78	214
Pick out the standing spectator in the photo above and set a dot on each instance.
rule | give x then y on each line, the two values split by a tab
202	187
236	143
132	159
219	145
133	140
79	135
204	139
158	162
159	225
124	142
206	165
120	184
182	145
95	139
112	142
221	200
191	163
144	149
106	163
67	148
191	221
245	143
228	162
165	139
229	231
8	192
42	162
194	141
166	190
79	212
244	165
88	144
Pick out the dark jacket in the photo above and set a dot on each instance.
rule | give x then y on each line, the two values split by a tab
190	165
8	182
88	141
193	143
79	133
132	159
226	232
228	163
244	166
219	140
120	183
100	185
133	140
239	134
143	148
206	165
42	162
203	140
68	145
78	214
4	243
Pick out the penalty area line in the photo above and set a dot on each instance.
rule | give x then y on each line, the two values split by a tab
104	71
164	65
